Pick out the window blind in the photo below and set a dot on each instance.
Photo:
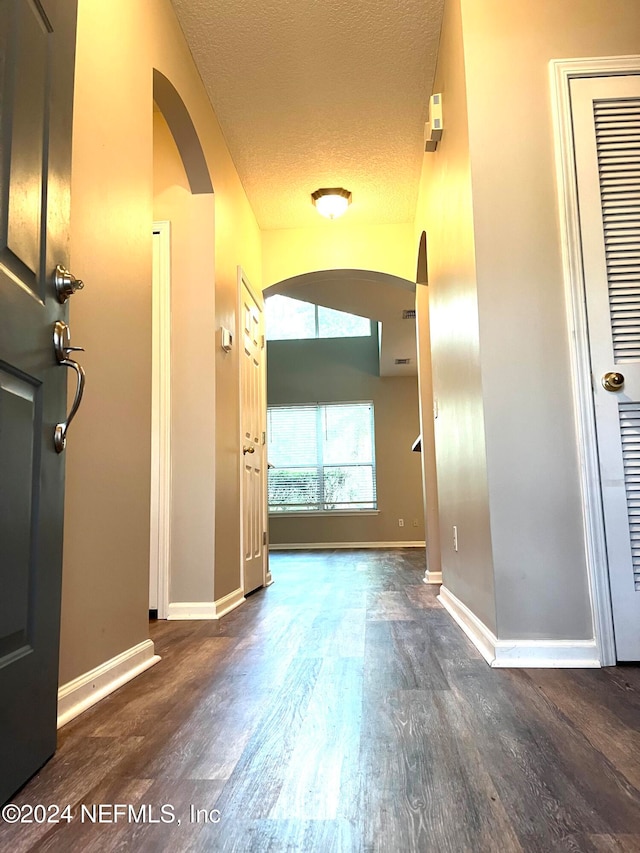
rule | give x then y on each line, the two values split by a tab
323	457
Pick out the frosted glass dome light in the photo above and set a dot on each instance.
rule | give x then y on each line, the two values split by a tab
331	203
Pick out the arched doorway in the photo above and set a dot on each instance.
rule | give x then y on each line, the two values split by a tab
378	369
183	393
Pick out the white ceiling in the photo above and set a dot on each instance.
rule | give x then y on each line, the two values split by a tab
319	93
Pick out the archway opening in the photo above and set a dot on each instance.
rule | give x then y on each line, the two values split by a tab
183	392
324	378
177	117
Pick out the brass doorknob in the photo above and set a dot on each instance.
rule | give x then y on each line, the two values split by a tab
249	449
612	381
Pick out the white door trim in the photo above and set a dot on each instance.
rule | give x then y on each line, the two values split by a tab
160	541
562	71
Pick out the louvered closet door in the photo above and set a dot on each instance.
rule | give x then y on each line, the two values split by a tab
606	118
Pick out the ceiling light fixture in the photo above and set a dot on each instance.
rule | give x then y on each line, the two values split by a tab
331	203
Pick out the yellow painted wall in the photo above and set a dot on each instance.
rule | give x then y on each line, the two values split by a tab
338	245
105	578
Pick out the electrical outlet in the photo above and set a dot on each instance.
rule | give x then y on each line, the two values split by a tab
401	522
455	537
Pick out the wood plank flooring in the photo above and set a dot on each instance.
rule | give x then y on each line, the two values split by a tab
341	710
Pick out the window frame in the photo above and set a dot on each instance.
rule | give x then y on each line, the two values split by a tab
320	466
316	323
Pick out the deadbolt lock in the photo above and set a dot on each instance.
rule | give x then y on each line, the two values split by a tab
65	283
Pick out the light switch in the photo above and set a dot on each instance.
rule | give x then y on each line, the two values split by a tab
226	338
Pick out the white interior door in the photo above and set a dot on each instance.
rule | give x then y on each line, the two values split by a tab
606	120
252	437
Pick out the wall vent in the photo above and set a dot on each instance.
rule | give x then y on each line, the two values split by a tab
402	361
409	314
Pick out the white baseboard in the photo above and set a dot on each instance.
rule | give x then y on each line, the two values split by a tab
481	637
550	654
206	609
76	696
229	602
192	610
432	577
331	546
547	654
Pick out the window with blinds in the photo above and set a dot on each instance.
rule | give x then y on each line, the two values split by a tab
323	457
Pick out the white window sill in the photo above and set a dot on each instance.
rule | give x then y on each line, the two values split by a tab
324	514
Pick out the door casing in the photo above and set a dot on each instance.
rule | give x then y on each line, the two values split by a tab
160	526
562	72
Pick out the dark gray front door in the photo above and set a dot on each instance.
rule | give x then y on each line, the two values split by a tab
37	49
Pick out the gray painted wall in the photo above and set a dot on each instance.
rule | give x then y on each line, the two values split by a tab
532	458
508	463
341	370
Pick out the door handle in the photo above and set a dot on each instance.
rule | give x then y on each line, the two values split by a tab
612	381
63	348
65	283
248	449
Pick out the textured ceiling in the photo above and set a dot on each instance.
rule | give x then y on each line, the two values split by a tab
319	93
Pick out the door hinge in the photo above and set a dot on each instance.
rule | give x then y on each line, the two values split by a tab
264	537
262	343
264	437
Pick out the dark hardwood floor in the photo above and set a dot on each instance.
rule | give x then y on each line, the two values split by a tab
342	710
